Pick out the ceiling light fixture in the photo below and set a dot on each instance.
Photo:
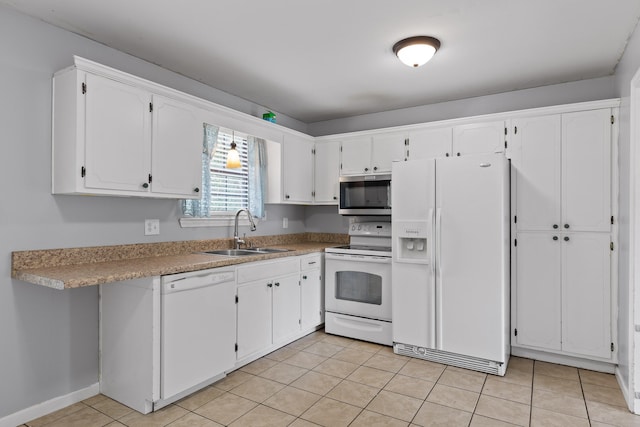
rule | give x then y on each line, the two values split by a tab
416	51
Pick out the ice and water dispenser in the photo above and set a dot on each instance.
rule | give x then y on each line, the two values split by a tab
412	242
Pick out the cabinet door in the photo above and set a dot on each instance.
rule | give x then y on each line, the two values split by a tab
117	136
327	171
536	161
274	172
297	169
387	148
176	161
586	170
311	299
586	294
286	307
355	156
430	143
254	317
479	138
538	292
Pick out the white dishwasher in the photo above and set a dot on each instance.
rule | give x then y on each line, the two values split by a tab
198	329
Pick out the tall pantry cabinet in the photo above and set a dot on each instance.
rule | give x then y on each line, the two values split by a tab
563	234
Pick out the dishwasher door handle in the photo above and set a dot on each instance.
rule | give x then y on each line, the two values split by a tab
196	282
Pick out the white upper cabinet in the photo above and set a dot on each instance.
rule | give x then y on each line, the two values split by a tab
177	137
117	134
112	137
586	170
385	149
326	172
297	169
301	171
562	171
372	154
476	138
355	158
536	160
430	143
274	172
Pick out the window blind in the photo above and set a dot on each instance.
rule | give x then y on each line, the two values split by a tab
229	187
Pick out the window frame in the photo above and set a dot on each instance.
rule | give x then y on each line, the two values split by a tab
222	218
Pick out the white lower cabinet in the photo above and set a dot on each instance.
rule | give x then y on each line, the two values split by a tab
286	307
162	338
311	291
278	302
563	297
254	318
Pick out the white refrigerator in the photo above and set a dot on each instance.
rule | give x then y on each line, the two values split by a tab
450	260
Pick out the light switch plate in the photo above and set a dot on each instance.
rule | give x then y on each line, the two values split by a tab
151	227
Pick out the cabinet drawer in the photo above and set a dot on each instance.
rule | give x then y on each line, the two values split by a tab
268	269
311	261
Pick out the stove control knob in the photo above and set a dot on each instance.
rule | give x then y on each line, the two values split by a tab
359	227
353	227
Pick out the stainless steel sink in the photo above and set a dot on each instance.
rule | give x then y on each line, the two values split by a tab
267	250
246	252
231	252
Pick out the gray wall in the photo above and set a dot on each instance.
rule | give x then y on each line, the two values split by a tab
50	338
566	93
625	71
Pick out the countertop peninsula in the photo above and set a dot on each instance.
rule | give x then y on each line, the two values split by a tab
69	268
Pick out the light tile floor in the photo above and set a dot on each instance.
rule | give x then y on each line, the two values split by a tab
334	381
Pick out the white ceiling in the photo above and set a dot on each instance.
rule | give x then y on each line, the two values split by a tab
328	59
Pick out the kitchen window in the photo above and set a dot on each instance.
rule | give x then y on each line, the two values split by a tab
227	190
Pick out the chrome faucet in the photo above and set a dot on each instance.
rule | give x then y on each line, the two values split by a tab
237	240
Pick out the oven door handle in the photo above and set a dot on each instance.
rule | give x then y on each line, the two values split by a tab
358	258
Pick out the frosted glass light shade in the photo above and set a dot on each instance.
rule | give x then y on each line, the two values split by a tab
416	51
233	157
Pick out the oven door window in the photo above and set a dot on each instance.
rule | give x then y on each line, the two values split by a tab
359	286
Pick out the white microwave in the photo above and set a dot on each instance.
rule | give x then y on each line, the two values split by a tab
365	195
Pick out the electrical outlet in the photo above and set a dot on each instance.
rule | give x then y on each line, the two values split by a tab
285	222
151	227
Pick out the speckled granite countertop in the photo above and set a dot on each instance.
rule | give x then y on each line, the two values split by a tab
78	267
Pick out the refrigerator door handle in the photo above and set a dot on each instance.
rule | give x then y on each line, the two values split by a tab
432	258
437	280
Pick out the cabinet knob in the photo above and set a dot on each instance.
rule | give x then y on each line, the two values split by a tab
555	225
566	226
145	185
555	237
375	168
277	283
196	190
335	198
269	285
366	169
458	154
304	277
286	197
447	155
566	238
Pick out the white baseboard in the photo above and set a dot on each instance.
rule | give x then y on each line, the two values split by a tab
624	387
44	408
593	365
